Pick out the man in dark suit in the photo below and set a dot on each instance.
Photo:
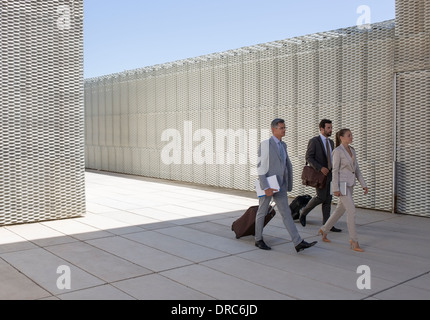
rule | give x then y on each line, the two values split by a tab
319	156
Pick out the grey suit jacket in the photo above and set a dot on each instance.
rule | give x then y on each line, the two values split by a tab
316	154
270	164
346	169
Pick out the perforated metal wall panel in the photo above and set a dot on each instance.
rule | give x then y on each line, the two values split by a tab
220	106
413	150
412	64
42	142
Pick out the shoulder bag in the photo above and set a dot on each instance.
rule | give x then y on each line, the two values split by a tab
313	178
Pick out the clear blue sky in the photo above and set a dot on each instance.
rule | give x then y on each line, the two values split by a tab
128	34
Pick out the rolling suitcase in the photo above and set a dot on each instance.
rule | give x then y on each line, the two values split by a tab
245	225
299	203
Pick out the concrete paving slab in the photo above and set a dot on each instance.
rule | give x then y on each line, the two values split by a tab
158	287
311	267
110	225
130	218
175	246
16	286
40	234
10	241
183	215
97	262
77	228
422	282
220	285
292	284
140	254
42	266
104	292
403	292
206	239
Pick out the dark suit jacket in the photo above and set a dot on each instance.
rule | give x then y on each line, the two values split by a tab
316	155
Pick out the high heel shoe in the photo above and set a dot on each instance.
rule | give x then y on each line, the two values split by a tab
324	236
355	246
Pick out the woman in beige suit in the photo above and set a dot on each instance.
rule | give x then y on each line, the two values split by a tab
345	173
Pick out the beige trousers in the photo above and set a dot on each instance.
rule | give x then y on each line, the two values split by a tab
346	203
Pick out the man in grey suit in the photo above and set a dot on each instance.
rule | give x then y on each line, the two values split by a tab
319	156
273	160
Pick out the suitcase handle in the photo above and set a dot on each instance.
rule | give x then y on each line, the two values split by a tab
272	205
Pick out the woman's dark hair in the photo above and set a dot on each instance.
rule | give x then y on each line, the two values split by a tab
339	134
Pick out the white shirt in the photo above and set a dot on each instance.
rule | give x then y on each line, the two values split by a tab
324	140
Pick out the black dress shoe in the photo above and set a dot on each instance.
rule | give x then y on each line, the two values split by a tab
335	230
260	244
304	245
302	219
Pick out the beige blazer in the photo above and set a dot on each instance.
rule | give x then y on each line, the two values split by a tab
346	169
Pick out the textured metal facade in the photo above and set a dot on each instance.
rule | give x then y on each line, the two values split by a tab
345	75
375	81
42	161
412	66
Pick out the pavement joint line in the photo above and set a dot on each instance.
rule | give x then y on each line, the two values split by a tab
397	285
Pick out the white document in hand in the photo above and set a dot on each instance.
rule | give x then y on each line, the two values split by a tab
273	184
342	188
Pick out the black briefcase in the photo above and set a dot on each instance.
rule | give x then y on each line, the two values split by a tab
299	203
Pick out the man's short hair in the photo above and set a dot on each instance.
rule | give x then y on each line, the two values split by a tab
324	122
276	122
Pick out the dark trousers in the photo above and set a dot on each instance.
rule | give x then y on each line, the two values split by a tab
323	197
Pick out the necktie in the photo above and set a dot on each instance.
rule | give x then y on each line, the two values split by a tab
281	151
328	154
